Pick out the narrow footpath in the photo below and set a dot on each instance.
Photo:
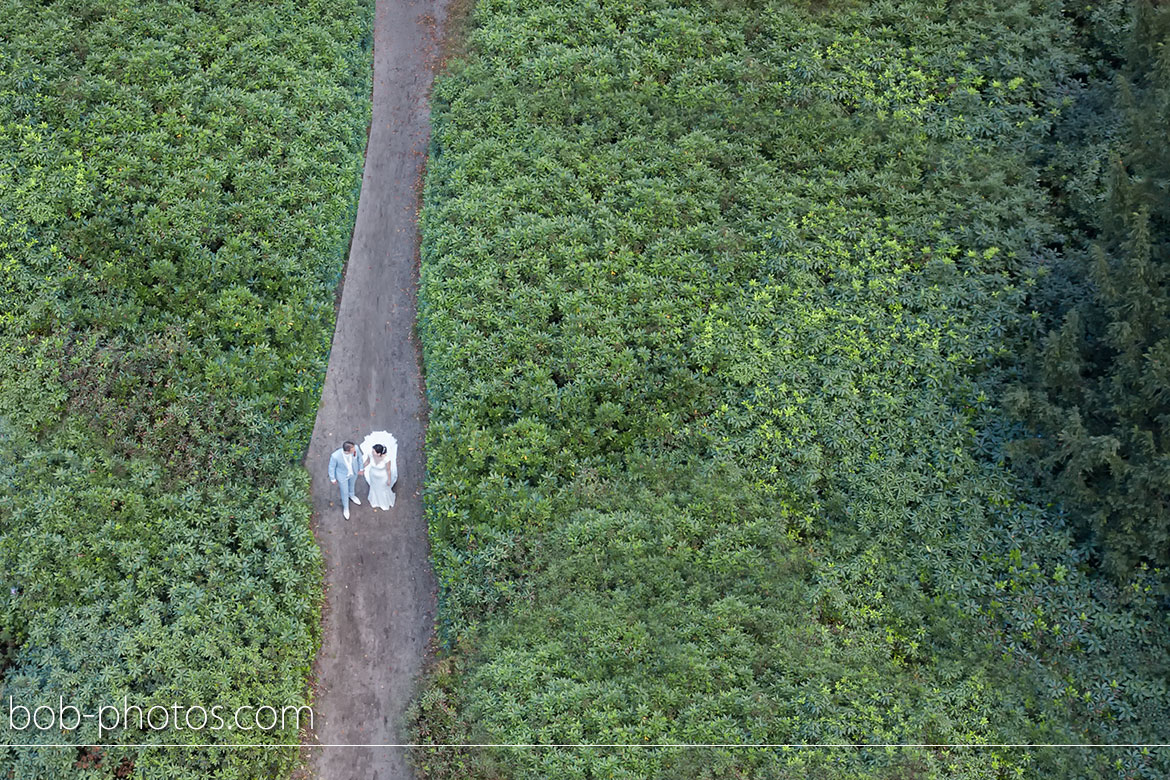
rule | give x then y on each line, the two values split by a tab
380	590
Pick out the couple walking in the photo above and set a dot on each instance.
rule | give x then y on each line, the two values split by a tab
379	466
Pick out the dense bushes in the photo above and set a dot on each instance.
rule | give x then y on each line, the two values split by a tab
718	301
178	184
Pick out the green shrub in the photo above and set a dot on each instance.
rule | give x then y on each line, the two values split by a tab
717	304
178	187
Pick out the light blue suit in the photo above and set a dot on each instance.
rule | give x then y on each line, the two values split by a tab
345	484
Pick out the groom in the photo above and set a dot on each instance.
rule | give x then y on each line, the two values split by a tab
344	466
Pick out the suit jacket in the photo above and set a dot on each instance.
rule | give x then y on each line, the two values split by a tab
337	463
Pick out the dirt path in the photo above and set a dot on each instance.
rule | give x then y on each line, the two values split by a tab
380	591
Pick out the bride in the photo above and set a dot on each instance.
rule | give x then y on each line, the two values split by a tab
378	468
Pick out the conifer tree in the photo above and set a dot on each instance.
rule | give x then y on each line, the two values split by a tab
1101	397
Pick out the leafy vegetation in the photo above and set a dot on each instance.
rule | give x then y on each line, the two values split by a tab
178	184
718	304
1101	393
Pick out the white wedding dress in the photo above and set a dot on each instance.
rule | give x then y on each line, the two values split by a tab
381	469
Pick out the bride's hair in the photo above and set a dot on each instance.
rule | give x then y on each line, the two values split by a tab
380	449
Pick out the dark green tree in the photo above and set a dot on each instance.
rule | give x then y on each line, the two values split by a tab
1100	398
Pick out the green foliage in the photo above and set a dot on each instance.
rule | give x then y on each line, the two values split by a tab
716	304
1099	395
178	187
